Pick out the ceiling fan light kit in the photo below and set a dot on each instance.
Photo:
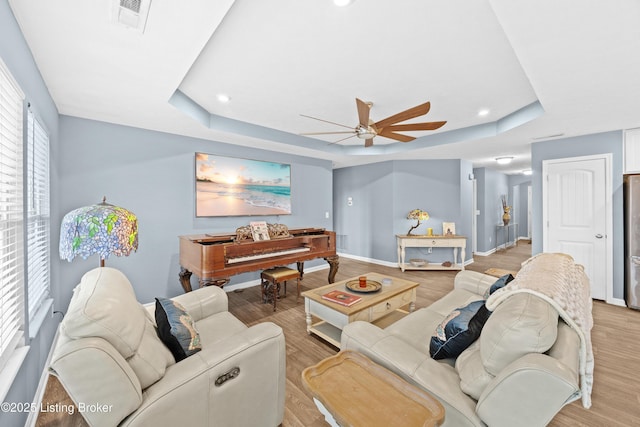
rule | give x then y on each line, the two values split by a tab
223	98
388	128
504	160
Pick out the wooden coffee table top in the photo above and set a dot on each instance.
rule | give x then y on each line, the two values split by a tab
358	392
396	287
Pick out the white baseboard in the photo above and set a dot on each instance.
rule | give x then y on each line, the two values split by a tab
616	301
371	260
485	253
381	262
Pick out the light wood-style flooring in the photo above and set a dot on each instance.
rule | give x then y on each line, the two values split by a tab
615	336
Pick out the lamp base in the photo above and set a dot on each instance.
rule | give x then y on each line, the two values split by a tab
413	228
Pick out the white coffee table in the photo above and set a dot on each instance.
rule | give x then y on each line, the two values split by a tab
381	308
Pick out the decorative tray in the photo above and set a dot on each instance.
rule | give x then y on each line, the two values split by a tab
372	286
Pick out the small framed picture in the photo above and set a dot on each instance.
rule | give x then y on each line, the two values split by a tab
448	228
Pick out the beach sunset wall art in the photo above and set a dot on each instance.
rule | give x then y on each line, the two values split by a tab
229	186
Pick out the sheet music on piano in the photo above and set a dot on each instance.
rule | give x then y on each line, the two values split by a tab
259	230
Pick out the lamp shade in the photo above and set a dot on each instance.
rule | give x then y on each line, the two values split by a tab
418	214
102	229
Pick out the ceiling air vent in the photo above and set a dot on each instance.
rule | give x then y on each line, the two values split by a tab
133	5
132	13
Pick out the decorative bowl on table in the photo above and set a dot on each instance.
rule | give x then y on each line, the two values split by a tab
416	262
371	286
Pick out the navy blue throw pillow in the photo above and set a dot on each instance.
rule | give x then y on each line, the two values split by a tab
458	330
500	283
176	329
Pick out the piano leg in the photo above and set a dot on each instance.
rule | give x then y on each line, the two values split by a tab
185	279
217	282
334	262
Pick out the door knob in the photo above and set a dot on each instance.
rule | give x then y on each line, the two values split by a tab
598	236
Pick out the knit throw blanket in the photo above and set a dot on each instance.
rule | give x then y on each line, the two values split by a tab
561	282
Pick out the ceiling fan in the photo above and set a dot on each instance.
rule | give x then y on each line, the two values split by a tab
367	129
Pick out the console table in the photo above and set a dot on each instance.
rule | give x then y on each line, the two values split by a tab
505	230
423	241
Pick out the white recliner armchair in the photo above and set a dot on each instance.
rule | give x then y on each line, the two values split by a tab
116	369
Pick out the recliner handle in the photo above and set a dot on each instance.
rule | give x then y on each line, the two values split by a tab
233	373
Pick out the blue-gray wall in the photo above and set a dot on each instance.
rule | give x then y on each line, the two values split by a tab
602	143
152	174
491	185
384	193
16	55
518	190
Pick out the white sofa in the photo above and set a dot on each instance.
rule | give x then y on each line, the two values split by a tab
526	365
111	362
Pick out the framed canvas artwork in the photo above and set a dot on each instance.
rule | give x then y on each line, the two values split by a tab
229	186
448	229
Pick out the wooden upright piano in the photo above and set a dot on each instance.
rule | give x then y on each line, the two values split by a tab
214	258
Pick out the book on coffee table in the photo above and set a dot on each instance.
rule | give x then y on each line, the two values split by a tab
342	298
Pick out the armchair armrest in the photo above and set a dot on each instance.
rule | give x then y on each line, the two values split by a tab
92	372
254	396
473	281
534	387
204	302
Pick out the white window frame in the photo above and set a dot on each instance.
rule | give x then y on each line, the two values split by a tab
12	315
37	218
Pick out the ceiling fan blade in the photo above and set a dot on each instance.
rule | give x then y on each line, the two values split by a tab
327	121
368	142
398	137
419	110
363	112
340	140
416	126
327	133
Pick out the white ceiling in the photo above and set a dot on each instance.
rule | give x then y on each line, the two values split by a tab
542	68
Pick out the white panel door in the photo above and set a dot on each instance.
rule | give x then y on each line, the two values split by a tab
576	217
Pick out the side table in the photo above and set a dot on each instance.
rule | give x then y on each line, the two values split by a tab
505	230
422	241
351	390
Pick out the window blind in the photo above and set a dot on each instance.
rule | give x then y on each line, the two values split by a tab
38	218
11	216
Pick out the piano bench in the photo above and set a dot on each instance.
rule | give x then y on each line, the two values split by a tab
271	280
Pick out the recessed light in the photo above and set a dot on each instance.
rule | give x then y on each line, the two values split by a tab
483	112
223	97
342	3
504	160
527	172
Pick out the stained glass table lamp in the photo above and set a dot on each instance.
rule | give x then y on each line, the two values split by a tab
419	215
102	229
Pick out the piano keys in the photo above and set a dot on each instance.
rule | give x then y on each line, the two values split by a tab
215	258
